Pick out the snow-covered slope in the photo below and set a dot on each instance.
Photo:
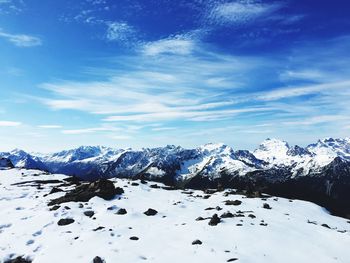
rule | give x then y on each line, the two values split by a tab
211	160
291	231
328	149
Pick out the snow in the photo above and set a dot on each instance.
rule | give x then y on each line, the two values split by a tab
28	228
211	160
208	160
327	149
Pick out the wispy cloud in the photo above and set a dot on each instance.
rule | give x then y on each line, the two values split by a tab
121	32
319	119
10	123
90	130
185	115
163	128
174	45
50	126
204	86
21	40
303	90
120	137
11	6
171	87
240	12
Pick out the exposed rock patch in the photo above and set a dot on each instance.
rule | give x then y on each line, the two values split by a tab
89	213
233	202
18	260
197	242
267	206
121	211
98	260
150	212
215	219
82	193
65	221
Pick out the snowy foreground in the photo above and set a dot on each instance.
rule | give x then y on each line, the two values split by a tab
291	231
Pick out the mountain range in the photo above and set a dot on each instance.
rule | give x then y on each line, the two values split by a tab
319	172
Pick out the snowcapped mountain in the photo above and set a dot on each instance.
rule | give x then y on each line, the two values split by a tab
318	169
208	160
22	159
327	149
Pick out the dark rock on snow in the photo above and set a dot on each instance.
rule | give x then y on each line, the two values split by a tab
98	260
251	216
89	213
214	220
151	212
18	260
82	193
227	215
121	211
54	208
235	202
65	221
266	206
99	228
197	242
55	190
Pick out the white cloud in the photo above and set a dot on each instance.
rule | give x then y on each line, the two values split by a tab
176	45
290	92
240	12
9	124
167	88
304	74
188	115
90	130
11	6
120	137
21	40
50	126
120	32
189	91
163	128
319	119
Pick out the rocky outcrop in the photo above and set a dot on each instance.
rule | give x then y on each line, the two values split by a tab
82	193
6	163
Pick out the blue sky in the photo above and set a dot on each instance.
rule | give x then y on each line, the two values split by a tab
149	73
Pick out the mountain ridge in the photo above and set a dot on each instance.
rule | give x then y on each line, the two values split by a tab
322	168
270	153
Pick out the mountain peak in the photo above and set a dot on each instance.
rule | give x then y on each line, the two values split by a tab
274	145
331	148
216	148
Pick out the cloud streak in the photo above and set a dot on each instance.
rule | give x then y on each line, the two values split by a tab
205	86
10	124
21	40
240	12
120	32
176	45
